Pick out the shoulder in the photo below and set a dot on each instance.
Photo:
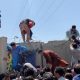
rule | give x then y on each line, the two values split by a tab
77	77
67	32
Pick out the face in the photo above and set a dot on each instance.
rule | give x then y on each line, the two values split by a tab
73	28
56	75
73	73
31	23
14	46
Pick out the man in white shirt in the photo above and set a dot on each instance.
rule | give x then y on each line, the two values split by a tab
73	37
72	32
29	65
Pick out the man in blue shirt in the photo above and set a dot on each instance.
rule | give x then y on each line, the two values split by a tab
16	55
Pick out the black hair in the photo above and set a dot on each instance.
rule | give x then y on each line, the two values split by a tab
68	76
73	37
73	26
13	44
28	20
47	69
29	72
75	46
68	70
60	71
2	76
77	68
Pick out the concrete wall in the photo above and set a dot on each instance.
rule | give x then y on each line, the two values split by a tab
3	65
34	46
63	50
61	47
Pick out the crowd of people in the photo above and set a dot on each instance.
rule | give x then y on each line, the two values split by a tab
56	68
29	72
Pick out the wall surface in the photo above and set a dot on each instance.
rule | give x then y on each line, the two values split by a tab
3	65
62	48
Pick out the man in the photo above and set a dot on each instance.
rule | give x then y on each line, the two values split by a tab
16	55
76	72
73	37
29	65
53	59
59	73
72	32
28	70
25	27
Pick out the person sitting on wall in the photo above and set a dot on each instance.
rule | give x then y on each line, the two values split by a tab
72	32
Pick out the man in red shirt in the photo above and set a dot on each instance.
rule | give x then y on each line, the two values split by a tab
53	59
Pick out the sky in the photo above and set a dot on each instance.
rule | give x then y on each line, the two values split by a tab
52	17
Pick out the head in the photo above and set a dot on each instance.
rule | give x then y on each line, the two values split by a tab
9	49
73	26
48	76
68	76
13	44
73	37
75	46
68	70
59	71
76	69
30	22
29	72
47	69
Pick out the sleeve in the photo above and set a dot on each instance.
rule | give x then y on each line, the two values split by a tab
78	34
68	34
